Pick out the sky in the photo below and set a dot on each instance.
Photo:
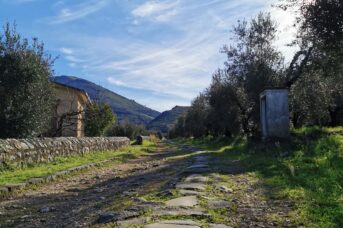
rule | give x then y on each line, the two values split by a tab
160	53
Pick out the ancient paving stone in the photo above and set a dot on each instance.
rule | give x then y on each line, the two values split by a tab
174	224
186	201
212	225
132	222
216	204
114	216
196	178
190	192
191	186
179	212
198	166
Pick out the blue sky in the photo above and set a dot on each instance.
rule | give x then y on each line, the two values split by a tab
160	53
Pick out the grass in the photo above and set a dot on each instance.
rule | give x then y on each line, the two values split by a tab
19	175
307	169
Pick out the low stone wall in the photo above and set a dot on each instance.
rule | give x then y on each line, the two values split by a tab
23	152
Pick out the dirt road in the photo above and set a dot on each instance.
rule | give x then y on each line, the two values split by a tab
115	193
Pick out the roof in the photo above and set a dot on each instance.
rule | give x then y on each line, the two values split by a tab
73	88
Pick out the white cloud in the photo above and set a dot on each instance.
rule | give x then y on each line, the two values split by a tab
158	10
66	51
175	69
79	11
115	82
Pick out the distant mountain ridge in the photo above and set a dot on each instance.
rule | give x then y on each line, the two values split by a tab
166	120
125	109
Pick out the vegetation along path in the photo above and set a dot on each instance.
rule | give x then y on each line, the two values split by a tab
173	186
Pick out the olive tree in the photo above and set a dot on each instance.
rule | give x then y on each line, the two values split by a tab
26	93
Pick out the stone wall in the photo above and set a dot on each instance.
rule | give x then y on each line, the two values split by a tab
22	152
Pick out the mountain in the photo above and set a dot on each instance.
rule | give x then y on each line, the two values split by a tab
165	121
124	108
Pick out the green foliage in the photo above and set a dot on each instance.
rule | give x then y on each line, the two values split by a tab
98	118
26	93
127	130
231	104
316	72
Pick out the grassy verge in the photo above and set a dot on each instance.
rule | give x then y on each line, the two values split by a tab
19	175
308	169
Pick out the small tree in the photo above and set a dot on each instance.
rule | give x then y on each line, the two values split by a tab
26	93
98	117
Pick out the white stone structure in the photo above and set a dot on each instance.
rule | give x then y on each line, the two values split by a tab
274	113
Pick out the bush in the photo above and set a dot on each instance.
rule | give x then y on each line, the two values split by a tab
127	130
98	117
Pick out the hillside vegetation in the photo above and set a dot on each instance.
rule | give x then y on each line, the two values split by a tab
307	169
166	120
124	108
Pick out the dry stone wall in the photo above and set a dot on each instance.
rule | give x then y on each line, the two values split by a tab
23	152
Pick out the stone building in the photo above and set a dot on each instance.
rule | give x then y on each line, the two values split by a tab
68	120
274	113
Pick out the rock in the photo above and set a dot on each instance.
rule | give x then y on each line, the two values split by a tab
218	204
165	193
15	187
190	192
47	209
212	225
4	190
186	201
191	186
108	217
133	222
174	224
36	180
196	178
141	199
225	189
179	212
198	166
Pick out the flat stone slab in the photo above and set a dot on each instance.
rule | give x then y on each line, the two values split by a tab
134	221
186	201
179	212
191	186
212	225
190	192
108	217
196	178
174	224
216	204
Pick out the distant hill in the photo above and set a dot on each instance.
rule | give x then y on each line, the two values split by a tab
165	121
124	108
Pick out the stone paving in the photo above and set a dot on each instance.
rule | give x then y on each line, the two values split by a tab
209	195
191	187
